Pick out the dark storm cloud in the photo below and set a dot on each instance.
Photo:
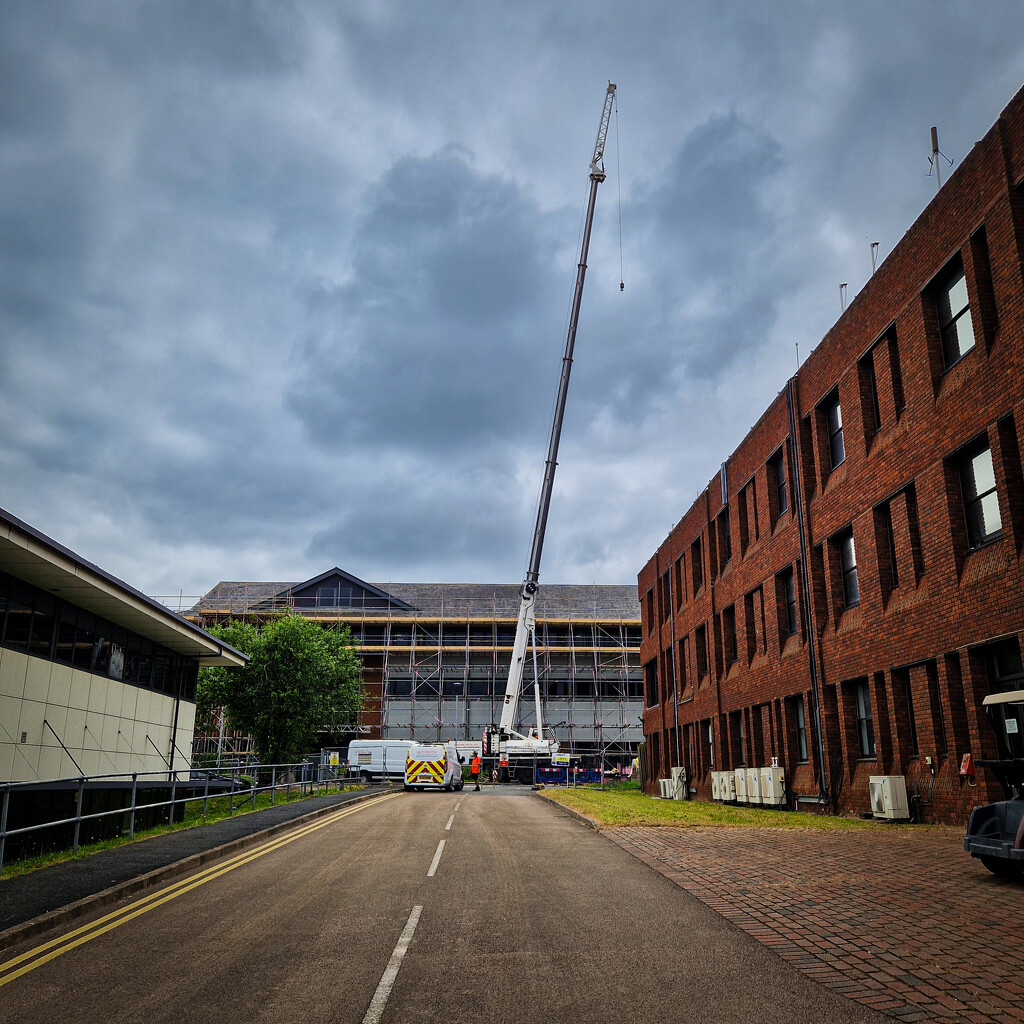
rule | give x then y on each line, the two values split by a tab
434	341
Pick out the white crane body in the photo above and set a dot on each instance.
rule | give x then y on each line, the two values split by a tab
504	740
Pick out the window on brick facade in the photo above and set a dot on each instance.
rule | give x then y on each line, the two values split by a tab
753	605
785	589
651	683
978	487
778	491
724	539
683	650
832	414
847	553
680	581
869	389
729	635
697	566
700	644
666	600
738	737
955	326
885	543
707	742
865	723
649	609
798	723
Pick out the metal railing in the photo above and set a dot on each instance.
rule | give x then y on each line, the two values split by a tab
240	785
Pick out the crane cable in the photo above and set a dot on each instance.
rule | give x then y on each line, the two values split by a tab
618	185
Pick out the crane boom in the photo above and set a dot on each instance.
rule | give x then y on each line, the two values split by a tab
526	623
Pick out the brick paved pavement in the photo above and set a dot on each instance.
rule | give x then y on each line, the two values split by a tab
902	921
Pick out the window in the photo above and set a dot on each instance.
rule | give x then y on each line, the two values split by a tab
865	725
724	539
729	634
700	642
739	736
777	483
901	681
885	542
981	501
680	580
833	414
785	583
869	392
651	683
800	720
683	645
649	610
955	326
848	567
666	590
697	565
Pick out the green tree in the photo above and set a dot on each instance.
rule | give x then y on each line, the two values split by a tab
300	679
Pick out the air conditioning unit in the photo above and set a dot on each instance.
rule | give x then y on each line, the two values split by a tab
680	789
889	797
773	786
753	786
727	787
665	789
740	775
716	788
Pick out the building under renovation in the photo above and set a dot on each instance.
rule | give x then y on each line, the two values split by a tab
436	655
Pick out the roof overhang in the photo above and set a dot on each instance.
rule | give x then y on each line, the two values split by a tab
35	558
1010	697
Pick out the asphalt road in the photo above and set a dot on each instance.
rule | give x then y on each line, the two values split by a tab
524	915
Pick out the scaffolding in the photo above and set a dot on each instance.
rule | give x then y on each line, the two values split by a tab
435	656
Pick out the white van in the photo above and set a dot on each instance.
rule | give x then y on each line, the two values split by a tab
376	760
433	766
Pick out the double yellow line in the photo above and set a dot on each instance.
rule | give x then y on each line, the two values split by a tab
48	951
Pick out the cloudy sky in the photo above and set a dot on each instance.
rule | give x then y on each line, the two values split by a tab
284	284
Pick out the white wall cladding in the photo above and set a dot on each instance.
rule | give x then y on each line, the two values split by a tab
110	727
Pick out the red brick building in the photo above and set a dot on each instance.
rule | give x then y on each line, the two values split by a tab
849	589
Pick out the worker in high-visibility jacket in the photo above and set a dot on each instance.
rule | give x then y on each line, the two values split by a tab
474	771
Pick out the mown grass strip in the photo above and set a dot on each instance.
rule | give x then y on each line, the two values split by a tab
620	806
217	810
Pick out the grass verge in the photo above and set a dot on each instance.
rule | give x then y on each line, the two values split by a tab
620	806
217	809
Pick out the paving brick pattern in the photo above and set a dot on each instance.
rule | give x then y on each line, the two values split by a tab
904	922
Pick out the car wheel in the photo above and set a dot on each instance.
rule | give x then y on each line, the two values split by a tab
365	778
1003	868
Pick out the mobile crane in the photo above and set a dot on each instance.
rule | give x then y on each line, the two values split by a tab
503	741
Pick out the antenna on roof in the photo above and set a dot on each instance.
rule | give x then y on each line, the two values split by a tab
933	160
874	256
842	297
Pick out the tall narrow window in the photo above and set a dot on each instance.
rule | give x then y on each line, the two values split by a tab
777	483
696	566
848	567
833	415
865	723
955	326
651	682
981	501
869	394
786	595
700	643
801	729
680	580
724	539
729	634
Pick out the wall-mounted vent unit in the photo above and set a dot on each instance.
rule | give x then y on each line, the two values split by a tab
773	786
727	787
889	797
753	786
740	775
716	786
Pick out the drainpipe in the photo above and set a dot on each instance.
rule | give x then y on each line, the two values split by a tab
805	582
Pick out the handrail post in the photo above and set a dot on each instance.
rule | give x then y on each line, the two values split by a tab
131	820
255	778
3	823
174	787
231	796
206	793
78	810
273	784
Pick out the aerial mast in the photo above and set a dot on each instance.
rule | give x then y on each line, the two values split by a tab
526	623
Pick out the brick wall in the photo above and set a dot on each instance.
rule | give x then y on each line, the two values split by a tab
907	585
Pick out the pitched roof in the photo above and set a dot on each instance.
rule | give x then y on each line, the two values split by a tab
473	600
